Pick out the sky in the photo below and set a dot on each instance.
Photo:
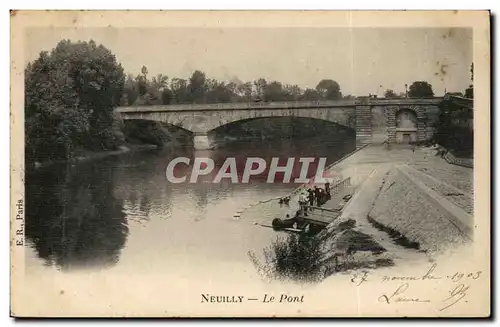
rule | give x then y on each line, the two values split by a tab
362	60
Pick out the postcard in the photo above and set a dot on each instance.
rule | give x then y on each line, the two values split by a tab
250	164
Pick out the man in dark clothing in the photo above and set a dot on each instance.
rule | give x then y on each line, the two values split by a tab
320	197
316	194
310	197
327	190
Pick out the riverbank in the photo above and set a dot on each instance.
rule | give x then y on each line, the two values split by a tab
92	156
393	217
409	219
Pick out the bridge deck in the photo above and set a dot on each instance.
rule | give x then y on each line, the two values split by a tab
279	105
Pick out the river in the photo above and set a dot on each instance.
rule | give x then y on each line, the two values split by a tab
121	213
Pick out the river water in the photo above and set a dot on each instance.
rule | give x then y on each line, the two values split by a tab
121	213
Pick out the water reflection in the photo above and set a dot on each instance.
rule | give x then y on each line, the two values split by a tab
123	208
72	217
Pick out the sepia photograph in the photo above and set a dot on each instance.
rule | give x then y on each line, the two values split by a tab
250	164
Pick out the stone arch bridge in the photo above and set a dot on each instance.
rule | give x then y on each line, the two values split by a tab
374	119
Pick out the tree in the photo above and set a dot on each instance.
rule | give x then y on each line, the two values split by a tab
179	90
159	83
197	87
131	89
150	92
311	95
70	95
420	89
469	92
260	88
167	96
244	91
274	92
142	81
390	94
292	92
158	88
329	89
218	92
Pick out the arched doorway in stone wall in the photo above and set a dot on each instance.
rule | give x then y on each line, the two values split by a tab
406	126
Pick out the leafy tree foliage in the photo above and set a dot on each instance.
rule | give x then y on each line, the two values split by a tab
274	92
70	95
311	94
453	130
420	89
201	89
329	89
390	94
260	88
131	91
197	87
179	90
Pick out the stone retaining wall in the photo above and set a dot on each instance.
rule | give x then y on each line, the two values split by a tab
466	162
402	206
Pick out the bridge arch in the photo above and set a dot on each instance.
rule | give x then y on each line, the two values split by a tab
359	114
348	125
203	122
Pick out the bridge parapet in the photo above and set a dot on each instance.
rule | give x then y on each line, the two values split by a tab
239	106
281	105
402	102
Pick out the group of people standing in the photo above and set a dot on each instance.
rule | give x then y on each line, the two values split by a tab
316	195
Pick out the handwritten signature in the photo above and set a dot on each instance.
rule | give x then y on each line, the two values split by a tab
403	292
397	296
456	294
